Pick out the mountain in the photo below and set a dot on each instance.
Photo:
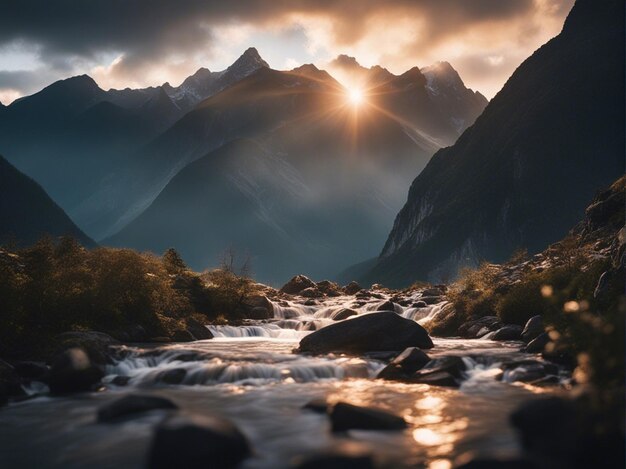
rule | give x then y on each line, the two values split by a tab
521	176
293	174
27	212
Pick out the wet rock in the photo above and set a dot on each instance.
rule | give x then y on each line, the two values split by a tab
450	364
182	335
384	331
346	417
73	371
526	372
319	406
532	329
431	300
344	313
198	330
97	345
432	292
173	376
419	304
408	362
259	312
132	405
328	288
310	302
386	306
508	332
297	284
538	344
311	292
471	329
34	371
336	461
120	380
197	443
352	288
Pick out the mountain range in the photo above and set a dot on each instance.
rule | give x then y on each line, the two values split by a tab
521	176
138	168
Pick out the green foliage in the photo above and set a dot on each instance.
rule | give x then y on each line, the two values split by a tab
51	288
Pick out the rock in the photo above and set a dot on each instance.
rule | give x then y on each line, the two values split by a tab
197	443
408	362
346	417
120	380
352	288
419	304
386	306
73	371
431	300
198	329
173	376
344	313
259	312
319	406
538	344
532	329
524	373
35	371
310	302
182	335
132	333
131	405
372	332
435	378
328	288
432	292
311	292
336	461
450	364
470	329
297	284
508	332
160	340
97	345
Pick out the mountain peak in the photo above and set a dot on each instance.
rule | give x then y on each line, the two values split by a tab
249	62
346	61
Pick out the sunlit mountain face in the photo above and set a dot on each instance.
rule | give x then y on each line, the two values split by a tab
299	170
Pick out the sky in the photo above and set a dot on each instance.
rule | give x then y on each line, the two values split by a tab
138	43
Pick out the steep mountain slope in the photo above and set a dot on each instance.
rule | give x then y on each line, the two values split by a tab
522	174
27	213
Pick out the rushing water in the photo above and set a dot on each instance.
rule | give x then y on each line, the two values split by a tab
250	375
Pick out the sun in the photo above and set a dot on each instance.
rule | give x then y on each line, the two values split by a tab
355	96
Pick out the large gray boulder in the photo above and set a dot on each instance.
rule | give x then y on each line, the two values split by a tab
375	332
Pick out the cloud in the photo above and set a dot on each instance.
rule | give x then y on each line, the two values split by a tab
139	41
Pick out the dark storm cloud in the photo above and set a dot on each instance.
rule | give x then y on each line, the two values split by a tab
149	27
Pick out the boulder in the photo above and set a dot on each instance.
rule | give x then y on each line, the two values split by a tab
198	330
435	378
311	302
386	306
97	345
197	443
73	371
431	300
508	332
352	288
432	292
182	335
450	364
259	312
470	329
533	329
538	344
319	406
120	380
419	304
346	417
384	331
344	313
297	284
132	405
328	288
408	362
311	292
